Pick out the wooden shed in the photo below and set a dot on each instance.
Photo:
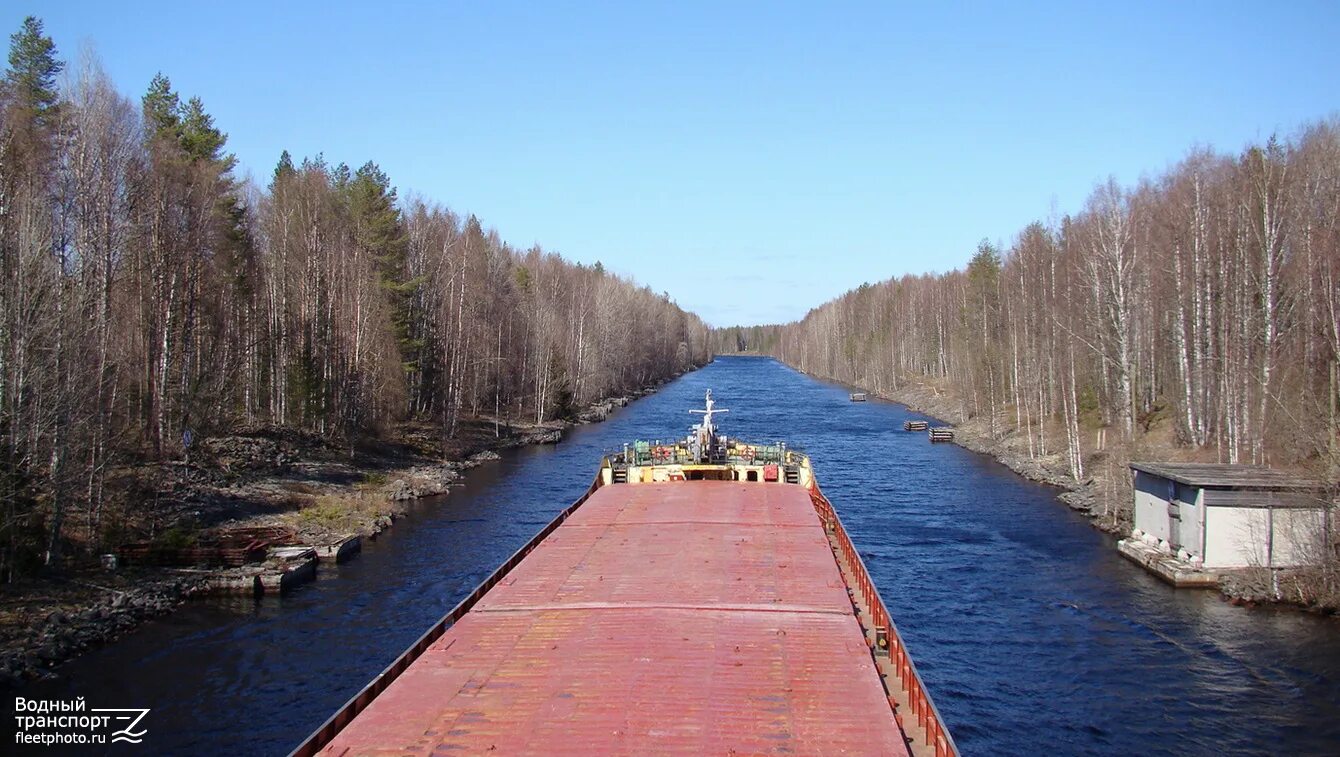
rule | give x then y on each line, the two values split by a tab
1230	516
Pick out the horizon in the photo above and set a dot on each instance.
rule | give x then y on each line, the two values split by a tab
795	155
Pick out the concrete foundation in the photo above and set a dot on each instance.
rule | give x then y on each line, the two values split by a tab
286	567
1177	572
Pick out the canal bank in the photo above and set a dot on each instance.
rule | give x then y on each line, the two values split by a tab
1095	496
319	496
1103	494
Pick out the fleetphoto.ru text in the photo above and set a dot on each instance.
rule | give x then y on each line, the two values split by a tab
69	722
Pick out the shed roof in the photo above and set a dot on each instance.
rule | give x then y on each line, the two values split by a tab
1224	476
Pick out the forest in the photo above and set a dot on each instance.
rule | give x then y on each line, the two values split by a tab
149	297
1196	313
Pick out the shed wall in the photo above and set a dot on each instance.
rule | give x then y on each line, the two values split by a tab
1298	536
1151	504
1240	537
1235	537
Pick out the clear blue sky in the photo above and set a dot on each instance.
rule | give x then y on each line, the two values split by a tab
751	159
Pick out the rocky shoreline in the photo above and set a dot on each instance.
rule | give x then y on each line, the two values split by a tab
1086	497
272	478
80	616
1098	497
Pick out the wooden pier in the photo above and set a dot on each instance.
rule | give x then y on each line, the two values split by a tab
916	425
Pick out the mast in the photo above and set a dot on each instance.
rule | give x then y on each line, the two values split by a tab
703	439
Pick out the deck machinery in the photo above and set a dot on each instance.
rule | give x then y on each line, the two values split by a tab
702	597
705	455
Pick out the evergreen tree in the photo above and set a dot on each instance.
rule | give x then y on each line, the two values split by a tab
378	229
199	137
339	177
284	169
187	125
33	67
377	223
984	268
161	108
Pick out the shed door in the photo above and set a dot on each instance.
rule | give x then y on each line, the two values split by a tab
1175	527
1174	517
1193	519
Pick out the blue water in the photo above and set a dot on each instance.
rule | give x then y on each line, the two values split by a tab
1031	633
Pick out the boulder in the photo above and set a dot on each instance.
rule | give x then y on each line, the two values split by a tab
400	490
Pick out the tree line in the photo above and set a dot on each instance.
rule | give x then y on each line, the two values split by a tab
147	295
1206	299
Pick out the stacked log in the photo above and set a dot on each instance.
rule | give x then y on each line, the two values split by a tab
942	434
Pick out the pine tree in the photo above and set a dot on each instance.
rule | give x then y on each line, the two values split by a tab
378	229
32	70
284	169
199	137
161	108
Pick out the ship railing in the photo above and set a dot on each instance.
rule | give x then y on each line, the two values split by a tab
886	635
672	456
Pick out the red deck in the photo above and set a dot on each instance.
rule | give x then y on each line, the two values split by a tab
696	617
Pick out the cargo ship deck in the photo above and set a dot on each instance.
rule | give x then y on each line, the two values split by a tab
687	617
702	597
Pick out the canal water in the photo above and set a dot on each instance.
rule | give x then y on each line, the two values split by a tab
1030	631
